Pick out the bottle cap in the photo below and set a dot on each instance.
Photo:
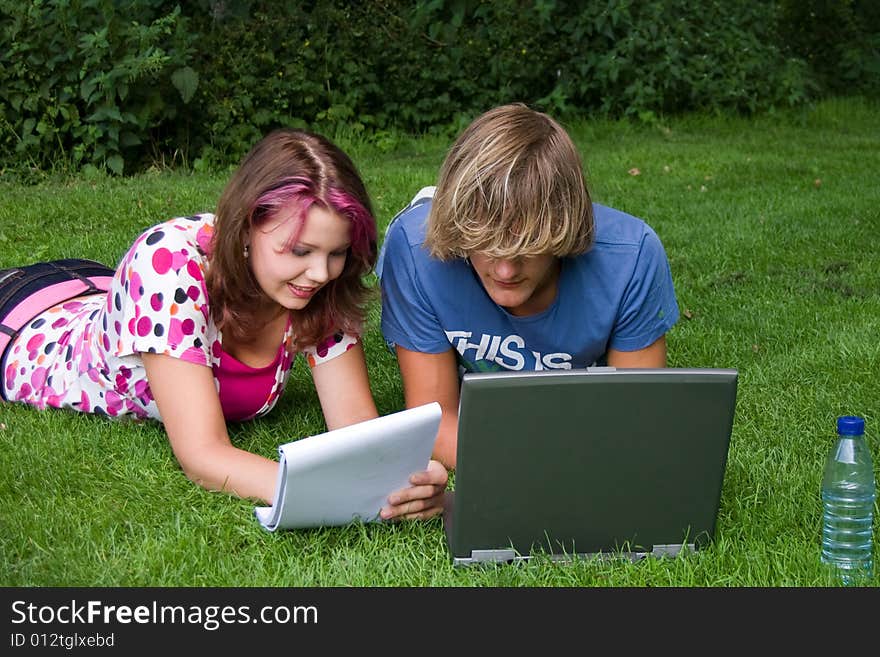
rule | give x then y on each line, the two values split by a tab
850	425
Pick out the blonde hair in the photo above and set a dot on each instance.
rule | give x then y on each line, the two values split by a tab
511	185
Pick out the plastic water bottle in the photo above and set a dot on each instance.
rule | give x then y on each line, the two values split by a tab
848	493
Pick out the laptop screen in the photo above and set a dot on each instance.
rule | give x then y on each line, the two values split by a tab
586	461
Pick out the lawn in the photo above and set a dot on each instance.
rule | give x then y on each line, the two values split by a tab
772	228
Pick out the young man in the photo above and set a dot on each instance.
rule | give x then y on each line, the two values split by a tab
508	263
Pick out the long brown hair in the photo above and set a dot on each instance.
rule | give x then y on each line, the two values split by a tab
299	167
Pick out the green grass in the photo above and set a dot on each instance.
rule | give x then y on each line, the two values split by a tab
772	227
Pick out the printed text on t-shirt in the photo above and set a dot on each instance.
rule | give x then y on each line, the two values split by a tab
510	352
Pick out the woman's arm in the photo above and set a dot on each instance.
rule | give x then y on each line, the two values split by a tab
651	356
344	391
187	398
428	378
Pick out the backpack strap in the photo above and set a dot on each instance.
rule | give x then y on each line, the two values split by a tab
28	291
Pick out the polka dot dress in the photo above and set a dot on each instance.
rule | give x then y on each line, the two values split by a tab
84	354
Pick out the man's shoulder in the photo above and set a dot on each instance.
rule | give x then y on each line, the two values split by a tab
409	224
617	228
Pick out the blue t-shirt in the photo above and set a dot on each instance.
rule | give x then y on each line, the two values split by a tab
617	295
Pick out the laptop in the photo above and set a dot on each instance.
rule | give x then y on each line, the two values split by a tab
595	461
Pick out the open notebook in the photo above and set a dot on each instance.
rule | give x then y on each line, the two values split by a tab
579	462
346	475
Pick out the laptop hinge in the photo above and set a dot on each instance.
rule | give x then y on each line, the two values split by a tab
493	555
671	549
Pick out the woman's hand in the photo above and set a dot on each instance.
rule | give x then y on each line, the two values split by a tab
421	500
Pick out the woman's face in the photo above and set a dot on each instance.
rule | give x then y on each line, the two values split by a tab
291	275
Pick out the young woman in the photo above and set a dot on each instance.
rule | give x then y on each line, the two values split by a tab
205	314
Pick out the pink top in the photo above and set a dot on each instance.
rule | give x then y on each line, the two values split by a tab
244	390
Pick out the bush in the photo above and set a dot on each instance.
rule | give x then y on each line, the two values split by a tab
85	82
641	58
122	84
838	39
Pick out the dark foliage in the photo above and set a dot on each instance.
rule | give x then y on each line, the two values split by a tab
122	84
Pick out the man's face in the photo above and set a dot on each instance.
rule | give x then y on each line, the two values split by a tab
524	285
